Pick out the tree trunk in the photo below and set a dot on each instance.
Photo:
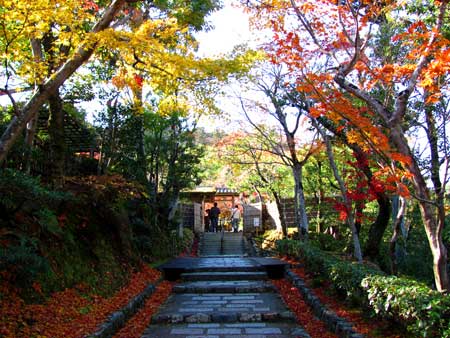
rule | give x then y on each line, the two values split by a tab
57	140
350	219
141	170
320	198
377	228
399	219
301	218
30	109
280	213
433	227
29	143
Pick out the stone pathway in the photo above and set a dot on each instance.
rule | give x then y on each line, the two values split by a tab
224	294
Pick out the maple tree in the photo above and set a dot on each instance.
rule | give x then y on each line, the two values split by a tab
144	42
29	20
332	49
256	167
367	188
289	113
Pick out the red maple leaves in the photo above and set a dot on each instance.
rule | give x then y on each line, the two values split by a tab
136	326
302	311
71	313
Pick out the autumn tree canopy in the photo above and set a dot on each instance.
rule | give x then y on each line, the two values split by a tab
149	42
371	68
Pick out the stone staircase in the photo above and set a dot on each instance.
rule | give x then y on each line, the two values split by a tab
224	294
222	244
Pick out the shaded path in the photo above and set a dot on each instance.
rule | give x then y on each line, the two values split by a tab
224	293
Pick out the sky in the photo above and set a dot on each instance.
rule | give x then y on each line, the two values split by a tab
231	28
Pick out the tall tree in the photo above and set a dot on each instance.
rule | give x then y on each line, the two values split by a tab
375	189
81	28
28	19
258	168
350	217
341	36
275	84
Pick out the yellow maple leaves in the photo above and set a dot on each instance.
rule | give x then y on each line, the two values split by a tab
25	20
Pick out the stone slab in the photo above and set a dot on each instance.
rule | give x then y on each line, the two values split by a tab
226	330
172	270
242	286
223	275
221	306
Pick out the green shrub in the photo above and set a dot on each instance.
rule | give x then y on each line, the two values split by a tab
345	275
19	190
49	222
425	312
422	311
23	262
181	244
326	242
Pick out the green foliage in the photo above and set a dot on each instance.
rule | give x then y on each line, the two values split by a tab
93	262
185	243
48	221
153	243
326	242
425	312
190	13
19	190
22	261
345	275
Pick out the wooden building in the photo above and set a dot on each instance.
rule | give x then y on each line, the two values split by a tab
204	198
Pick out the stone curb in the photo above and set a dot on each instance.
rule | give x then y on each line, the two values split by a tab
255	250
118	319
341	327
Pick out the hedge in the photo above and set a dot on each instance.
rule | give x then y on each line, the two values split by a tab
421	310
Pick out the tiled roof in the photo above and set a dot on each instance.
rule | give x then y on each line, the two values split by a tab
224	190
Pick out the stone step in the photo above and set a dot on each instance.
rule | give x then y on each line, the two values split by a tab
230	316
227	269
224	287
229	247
212	248
221	256
223	330
223	275
173	269
223	307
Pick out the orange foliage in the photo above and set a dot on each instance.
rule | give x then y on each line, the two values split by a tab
302	311
136	325
308	32
72	313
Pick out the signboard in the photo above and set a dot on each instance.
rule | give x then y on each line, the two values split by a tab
256	222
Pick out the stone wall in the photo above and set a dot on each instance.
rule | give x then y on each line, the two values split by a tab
187	215
252	217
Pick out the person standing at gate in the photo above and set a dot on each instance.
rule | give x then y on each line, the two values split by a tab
214	217
235	218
